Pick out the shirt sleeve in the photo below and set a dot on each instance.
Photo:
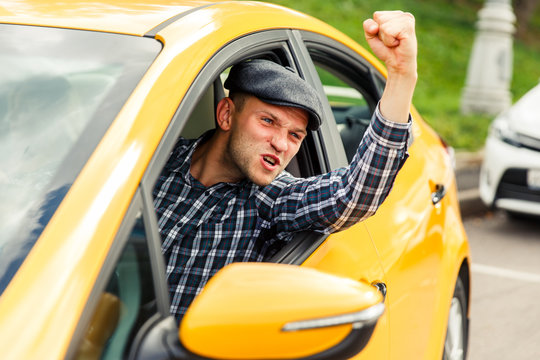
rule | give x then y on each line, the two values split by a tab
337	200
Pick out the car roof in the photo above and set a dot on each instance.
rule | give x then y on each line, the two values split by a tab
117	16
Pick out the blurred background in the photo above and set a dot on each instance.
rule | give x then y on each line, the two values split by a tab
445	31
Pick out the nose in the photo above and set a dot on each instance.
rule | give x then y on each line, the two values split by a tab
279	141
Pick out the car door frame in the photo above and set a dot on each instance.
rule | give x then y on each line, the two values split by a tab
138	207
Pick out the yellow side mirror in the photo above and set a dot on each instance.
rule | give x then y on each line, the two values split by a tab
272	311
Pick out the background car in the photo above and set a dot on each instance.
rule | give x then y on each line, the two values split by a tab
93	97
510	173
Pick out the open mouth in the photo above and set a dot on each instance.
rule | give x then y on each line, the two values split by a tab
270	160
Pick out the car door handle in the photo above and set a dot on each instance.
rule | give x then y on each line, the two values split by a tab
438	194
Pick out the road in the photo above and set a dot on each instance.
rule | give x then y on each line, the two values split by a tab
505	309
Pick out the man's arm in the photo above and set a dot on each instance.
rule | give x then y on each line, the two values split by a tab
336	200
339	199
391	36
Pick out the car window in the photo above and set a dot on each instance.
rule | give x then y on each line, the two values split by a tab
351	110
351	92
126	303
202	119
60	90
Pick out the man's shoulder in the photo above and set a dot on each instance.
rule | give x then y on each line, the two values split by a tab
285	178
183	143
179	153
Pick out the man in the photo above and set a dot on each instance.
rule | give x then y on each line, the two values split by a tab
225	198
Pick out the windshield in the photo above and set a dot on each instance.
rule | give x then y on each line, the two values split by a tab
60	90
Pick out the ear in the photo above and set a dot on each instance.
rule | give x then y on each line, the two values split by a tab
224	111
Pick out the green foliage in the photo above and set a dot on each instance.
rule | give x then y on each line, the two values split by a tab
445	32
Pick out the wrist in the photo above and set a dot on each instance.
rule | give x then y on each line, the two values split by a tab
406	76
397	97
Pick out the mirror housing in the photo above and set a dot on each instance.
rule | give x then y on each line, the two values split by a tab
275	311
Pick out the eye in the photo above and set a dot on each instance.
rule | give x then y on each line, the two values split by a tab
295	135
267	120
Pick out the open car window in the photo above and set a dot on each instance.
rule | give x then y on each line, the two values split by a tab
350	89
196	113
202	119
352	111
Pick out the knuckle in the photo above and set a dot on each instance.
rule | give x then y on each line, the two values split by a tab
410	17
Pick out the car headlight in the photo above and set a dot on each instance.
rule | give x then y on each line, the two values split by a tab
501	129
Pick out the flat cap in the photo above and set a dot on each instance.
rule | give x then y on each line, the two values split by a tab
277	85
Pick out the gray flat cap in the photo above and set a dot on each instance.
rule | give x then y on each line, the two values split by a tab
277	85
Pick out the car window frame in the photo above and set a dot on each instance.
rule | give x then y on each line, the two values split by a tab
353	60
135	210
326	141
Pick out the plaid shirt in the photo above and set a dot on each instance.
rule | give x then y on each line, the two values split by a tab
204	229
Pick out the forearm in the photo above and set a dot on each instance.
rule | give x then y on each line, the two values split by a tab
397	97
372	171
339	199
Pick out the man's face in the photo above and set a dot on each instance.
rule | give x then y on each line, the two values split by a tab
264	138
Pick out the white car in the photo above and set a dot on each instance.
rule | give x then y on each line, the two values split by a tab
510	175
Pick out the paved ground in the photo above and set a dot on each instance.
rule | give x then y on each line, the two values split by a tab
505	310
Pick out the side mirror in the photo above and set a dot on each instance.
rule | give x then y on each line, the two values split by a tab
272	311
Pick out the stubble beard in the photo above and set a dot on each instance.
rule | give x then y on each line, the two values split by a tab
243	155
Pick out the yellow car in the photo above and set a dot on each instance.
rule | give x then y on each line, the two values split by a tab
94	95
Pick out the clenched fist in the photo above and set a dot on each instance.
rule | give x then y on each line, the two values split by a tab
392	38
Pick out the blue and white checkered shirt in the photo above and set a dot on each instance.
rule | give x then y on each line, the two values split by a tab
203	229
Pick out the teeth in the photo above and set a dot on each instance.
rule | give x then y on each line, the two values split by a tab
269	160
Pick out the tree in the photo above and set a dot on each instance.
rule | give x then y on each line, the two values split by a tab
524	10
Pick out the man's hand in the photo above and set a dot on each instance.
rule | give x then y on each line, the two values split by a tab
391	36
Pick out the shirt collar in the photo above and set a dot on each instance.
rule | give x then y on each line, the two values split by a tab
185	154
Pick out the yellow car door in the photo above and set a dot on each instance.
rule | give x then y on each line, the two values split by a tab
409	233
351	254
